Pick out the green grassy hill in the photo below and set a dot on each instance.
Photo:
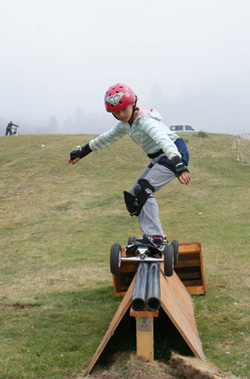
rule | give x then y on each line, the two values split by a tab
57	223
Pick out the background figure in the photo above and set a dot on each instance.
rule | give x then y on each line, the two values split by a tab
9	130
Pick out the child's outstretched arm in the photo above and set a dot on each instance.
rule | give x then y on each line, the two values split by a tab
76	155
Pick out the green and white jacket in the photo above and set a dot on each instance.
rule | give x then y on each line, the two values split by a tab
148	131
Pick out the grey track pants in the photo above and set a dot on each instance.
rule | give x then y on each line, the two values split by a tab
158	176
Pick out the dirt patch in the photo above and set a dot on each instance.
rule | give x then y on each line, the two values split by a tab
17	307
131	366
194	368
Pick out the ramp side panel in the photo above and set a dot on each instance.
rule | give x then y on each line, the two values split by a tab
177	304
122	309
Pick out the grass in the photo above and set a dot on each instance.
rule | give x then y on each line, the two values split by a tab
57	223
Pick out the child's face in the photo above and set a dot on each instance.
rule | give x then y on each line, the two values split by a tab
125	114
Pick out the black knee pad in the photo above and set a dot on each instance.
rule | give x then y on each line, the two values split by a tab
142	191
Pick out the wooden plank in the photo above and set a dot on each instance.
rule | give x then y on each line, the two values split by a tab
145	338
196	290
122	309
191	283
143	313
189	255
177	303
188	275
189	247
187	263
202	272
116	284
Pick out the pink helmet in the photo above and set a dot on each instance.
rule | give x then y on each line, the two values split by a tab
118	97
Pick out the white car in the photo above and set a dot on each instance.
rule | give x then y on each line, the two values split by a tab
182	128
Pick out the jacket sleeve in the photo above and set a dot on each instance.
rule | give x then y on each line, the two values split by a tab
107	138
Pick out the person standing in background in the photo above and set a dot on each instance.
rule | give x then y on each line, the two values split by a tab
9	128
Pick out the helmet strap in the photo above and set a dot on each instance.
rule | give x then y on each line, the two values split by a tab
115	116
130	121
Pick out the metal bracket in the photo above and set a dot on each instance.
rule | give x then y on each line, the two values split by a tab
144	324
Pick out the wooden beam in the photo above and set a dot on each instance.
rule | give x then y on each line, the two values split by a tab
145	337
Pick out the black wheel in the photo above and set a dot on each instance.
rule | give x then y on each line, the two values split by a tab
131	240
175	245
169	260
115	258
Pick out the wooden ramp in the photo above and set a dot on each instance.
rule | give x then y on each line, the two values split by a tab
177	304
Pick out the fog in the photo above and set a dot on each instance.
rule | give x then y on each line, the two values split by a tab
188	59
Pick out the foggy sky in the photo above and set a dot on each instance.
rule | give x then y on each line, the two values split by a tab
190	59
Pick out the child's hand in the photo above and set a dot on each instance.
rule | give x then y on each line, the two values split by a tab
184	178
76	155
74	161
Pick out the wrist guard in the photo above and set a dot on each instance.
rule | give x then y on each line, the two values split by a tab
82	152
178	165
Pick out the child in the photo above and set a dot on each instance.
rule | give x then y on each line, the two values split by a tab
168	153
